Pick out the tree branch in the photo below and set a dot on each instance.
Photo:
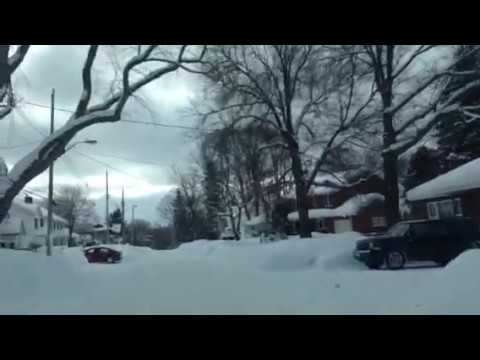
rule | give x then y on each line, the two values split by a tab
87	81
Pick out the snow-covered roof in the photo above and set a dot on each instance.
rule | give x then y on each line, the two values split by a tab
35	209
465	177
11	226
351	207
257	220
115	228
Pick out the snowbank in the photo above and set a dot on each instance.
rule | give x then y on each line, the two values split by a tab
351	207
296	276
463	178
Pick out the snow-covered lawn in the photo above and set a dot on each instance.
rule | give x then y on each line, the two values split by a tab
295	276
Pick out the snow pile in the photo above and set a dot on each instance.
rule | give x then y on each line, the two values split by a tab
456	289
301	254
351	207
463	178
296	276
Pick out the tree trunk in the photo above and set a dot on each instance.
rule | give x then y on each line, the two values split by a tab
4	71
301	195
5	205
70	239
391	188
390	170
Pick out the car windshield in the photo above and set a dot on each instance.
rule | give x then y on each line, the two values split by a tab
398	229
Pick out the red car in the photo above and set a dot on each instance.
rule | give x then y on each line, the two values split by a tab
102	254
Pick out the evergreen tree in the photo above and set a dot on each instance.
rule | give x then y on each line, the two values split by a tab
458	133
180	218
423	166
213	199
116	217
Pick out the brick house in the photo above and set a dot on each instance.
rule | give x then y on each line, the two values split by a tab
455	193
338	206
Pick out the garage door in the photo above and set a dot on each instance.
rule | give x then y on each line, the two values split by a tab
343	225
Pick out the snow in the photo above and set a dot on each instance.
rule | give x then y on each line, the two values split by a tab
351	207
257	220
11	226
465	177
295	276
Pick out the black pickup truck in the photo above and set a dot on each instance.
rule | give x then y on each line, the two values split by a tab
424	240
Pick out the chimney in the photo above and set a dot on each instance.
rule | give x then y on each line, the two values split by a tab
28	199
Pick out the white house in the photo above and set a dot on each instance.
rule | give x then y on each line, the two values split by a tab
25	226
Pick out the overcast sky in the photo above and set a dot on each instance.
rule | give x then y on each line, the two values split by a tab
59	67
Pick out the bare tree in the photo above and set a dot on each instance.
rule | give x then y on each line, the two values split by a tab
140	69
308	94
73	205
413	101
8	65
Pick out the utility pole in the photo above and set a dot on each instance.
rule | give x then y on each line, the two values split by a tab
50	181
133	225
123	214
107	238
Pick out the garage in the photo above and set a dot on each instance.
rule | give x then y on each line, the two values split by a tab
342	225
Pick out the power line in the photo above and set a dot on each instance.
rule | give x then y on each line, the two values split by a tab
184	127
18	146
48	107
131	160
107	165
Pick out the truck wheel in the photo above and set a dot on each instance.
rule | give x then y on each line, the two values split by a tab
395	259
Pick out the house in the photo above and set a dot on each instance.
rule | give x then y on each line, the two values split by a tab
337	204
100	233
455	193
25	226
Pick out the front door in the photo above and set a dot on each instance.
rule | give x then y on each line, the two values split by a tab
342	225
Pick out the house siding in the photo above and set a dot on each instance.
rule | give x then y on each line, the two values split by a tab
470	201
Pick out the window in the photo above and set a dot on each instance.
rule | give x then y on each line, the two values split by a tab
328	201
457	207
445	208
379	221
36	223
432	210
41	222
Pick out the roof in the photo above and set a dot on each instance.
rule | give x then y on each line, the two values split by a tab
35	209
351	207
257	220
463	178
115	228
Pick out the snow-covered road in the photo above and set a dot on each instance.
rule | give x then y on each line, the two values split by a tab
296	276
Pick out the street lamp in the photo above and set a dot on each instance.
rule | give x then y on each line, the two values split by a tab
50	187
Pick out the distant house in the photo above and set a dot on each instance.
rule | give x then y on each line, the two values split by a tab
25	226
338	206
455	193
100	233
